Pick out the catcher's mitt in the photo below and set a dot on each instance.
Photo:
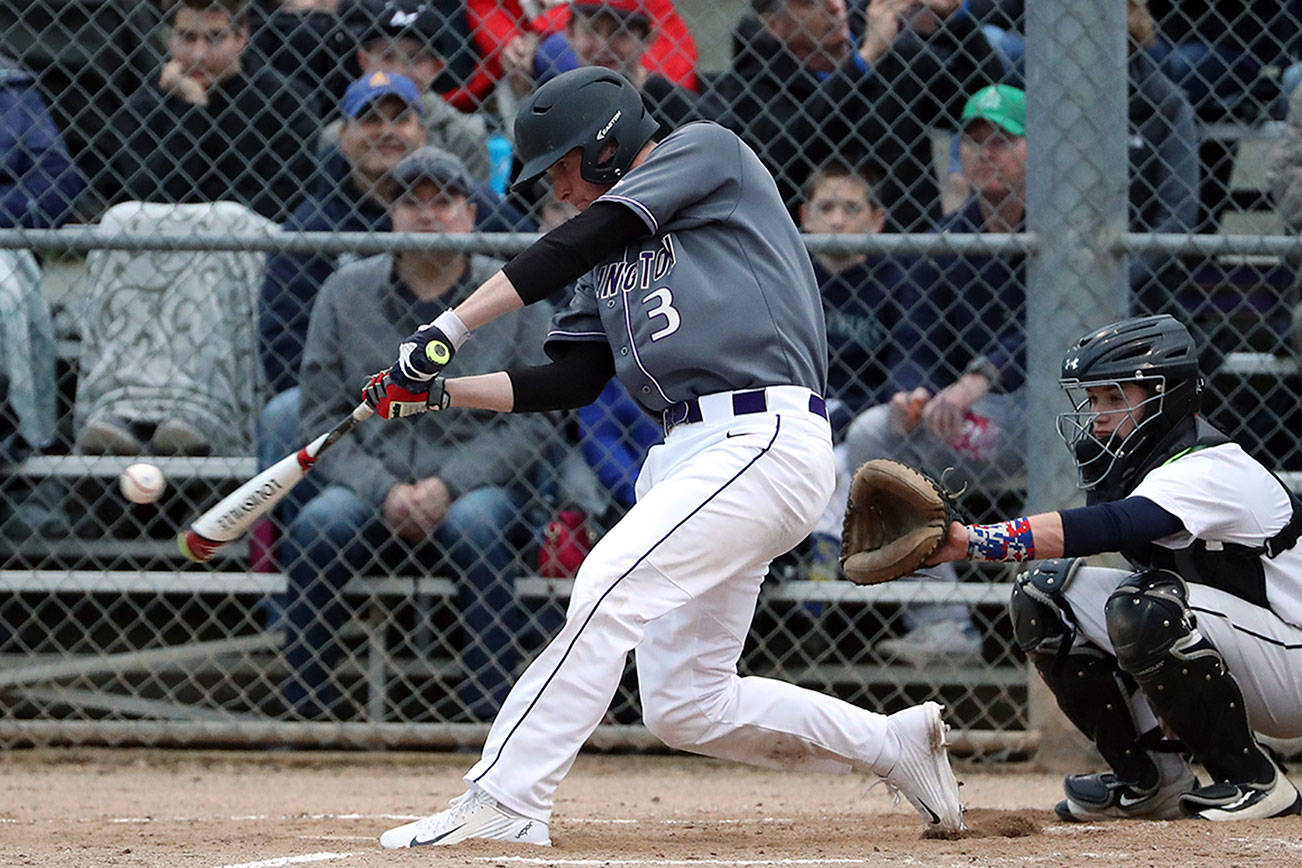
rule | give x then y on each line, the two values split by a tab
896	518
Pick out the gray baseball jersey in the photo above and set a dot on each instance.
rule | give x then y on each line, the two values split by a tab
720	296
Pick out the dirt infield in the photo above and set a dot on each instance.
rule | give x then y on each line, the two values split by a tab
90	807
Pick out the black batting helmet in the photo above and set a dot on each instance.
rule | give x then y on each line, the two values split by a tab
591	108
1154	352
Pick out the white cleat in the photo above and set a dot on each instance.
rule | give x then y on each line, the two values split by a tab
473	814
1225	802
922	773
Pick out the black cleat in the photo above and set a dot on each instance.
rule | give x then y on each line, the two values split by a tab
1107	797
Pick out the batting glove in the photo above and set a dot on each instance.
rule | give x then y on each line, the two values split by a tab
391	400
422	355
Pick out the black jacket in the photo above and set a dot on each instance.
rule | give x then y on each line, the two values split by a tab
252	144
877	119
672	106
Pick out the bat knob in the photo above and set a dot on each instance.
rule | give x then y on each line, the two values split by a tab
196	547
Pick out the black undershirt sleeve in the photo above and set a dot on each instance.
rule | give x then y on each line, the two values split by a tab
573	249
575	379
1109	527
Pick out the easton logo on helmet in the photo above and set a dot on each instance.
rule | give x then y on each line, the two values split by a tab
601	134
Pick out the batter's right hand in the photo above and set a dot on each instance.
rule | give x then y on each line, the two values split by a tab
391	401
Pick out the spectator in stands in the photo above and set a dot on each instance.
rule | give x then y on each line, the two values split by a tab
961	402
210	128
861	292
644	40
381	125
1164	170
476	37
308	42
38	181
457	490
38	185
801	91
90	56
616	34
1218	51
27	398
668	50
401	37
1225	56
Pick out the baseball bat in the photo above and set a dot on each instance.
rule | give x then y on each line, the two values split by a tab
235	512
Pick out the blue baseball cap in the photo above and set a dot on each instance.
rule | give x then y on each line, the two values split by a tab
367	89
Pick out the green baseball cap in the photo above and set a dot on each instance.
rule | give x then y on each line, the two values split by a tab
1000	104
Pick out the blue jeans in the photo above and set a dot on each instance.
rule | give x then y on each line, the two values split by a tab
336	535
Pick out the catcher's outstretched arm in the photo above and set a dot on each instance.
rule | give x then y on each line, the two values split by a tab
1019	539
1069	533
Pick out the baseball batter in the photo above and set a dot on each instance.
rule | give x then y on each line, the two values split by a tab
697	291
1203	639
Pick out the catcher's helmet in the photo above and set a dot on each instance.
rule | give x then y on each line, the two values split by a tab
591	108
1155	352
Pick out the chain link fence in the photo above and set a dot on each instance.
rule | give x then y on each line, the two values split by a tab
203	253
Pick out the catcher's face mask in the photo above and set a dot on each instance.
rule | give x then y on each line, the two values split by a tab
1107	417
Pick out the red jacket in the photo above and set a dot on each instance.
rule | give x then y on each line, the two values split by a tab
494	23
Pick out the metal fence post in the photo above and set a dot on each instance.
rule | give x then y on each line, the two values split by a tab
1076	206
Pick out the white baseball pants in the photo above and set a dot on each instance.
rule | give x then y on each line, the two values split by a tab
677	580
1261	651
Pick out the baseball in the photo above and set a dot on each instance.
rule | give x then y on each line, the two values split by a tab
142	483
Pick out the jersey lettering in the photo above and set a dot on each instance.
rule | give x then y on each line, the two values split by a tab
649	267
664	308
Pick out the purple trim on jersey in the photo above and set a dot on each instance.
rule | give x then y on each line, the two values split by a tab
636	206
637	357
559	333
606	593
1006	541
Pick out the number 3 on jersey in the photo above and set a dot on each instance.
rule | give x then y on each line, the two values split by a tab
664	306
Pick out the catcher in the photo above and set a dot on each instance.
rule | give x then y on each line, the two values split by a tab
1201	641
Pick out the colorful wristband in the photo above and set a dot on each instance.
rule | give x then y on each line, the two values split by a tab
1005	541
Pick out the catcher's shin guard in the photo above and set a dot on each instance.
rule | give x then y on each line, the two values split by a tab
1090	688
1183	675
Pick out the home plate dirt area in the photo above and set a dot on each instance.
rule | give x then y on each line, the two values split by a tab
80	807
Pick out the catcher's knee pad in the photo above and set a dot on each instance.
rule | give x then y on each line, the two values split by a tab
1148	616
1040	614
1182	674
